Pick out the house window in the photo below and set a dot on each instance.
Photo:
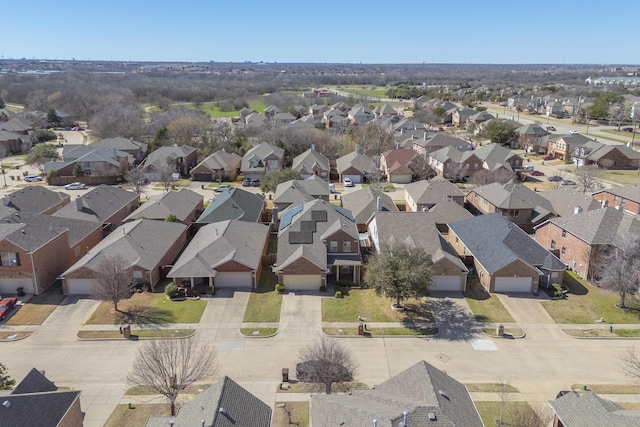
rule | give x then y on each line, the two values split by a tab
457	239
615	199
475	166
514	212
346	246
10	259
622	201
333	246
466	166
563	251
553	244
564	234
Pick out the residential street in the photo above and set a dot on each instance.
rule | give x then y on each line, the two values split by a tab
539	365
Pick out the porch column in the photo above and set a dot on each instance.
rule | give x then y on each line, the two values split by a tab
211	282
192	282
355	270
337	273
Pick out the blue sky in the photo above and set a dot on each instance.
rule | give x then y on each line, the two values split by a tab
351	31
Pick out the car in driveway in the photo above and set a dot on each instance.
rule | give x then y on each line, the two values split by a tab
554	178
255	183
627	129
551	128
246	182
346	181
536	173
567	182
33	178
222	187
75	186
573	132
548	157
6	305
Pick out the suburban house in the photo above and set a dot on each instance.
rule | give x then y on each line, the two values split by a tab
283	118
425	146
512	200
395	165
223	404
36	248
172	159
317	242
271	111
146	245
384	110
593	153
92	162
461	115
256	120
421	395
261	160
234	203
495	157
580	240
531	138
36	401
566	201
479	117
312	163
451	163
356	167
104	204
626	199
306	122
505	258
573	409
226	254
297	191
137	150
34	199
446	211
219	166
13	142
563	146
423	195
185	204
418	229
364	203
360	114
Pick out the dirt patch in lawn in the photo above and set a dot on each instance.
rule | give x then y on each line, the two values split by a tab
37	309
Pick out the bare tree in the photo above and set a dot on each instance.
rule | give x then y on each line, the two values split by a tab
169	366
165	171
529	415
420	169
620	269
485	177
455	171
606	163
327	362
586	177
631	364
114	279
136	178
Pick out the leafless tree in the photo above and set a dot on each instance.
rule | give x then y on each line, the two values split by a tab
327	361
620	269
165	171
114	279
136	178
118	119
606	163
586	177
169	366
420	168
485	177
455	171
373	140
522	414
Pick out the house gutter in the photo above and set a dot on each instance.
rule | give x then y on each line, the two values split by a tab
35	278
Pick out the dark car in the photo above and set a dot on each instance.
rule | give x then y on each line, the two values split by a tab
627	129
6	305
536	173
567	182
305	371
246	182
548	157
255	183
555	178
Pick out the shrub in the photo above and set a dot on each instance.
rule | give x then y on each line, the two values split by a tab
171	290
280	288
338	294
344	284
557	290
209	291
323	288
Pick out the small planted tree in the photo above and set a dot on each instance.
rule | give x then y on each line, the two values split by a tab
326	361
6	383
620	269
114	279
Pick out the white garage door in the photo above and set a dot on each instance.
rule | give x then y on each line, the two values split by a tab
232	280
302	282
354	178
81	286
10	286
447	283
512	284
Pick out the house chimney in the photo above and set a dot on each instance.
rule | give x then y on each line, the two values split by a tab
398	145
313	147
379	203
5	200
357	148
115	153
425	135
577	210
79	203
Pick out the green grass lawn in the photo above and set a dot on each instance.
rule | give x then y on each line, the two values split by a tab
601	136
485	307
587	303
372	91
622	177
491	388
137	415
299	414
264	302
272	246
374	308
258	332
38	308
609	388
514	413
379	332
148	308
623	133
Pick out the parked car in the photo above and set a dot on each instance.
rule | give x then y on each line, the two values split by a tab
573	132
255	183
567	182
536	173
246	182
32	178
75	186
627	129
551	128
554	178
222	187
548	157
6	305
346	181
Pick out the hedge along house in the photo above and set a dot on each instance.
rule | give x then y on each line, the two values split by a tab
147	245
317	241
225	254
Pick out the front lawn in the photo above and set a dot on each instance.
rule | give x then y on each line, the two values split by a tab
264	302
586	303
138	333
365	303
148	308
381	332
37	309
622	177
296	412
485	307
514	413
136	415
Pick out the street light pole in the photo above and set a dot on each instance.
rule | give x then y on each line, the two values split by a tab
4	176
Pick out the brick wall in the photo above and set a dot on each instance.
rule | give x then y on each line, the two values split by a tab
617	201
574	249
73	417
50	261
340	237
516	269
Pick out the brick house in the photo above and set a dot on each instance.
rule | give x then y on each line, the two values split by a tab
317	242
364	203
33	199
178	159
421	196
626	199
312	163
297	191
451	163
221	165
355	166
185	204
261	160
581	239
395	165
137	150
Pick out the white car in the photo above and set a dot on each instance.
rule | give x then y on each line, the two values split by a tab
347	182
573	132
75	186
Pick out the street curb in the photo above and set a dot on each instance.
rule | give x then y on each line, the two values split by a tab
18	339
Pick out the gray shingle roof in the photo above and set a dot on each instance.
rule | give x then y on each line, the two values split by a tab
158	158
630	192
590	410
34	199
301	190
233	204
221	159
181	203
446	211
219	243
34	382
254	159
420	390
76	229
433	191
310	161
495	156
496	242
600	226
564	201
224	404
120	143
99	204
364	203
513	195
359	162
29	237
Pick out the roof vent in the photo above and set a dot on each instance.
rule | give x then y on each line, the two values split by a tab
432	416
6	403
222	410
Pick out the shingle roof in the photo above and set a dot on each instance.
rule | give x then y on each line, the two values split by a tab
219	243
401	156
221	159
233	204
515	196
301	190
495	156
532	129
496	242
442	139
446	211
420	390
590	410
158	158
77	230
224	404
629	192
34	199
120	143
355	160
433	191
363	203
254	159
34	382
564	201
99	204
181	203
29	237
310	161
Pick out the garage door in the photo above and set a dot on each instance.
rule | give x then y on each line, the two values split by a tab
447	283
302	282
232	280
81	286
356	179
512	284
10	286
202	177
